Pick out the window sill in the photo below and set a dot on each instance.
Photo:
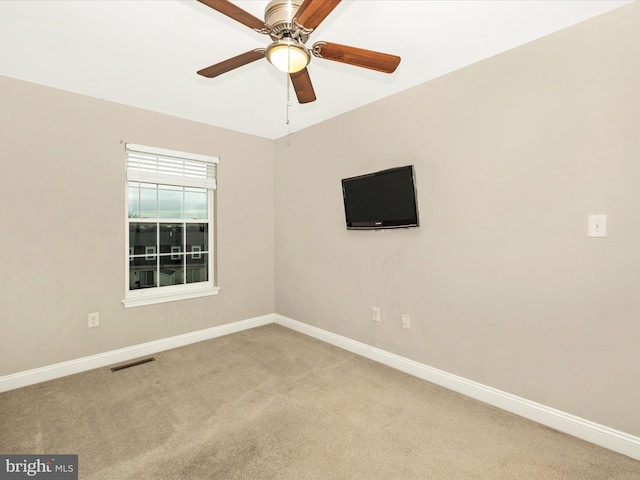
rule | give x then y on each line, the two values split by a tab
151	297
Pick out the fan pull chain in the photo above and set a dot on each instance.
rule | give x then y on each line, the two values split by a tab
288	83
288	97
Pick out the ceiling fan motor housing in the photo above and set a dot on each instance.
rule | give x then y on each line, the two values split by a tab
279	15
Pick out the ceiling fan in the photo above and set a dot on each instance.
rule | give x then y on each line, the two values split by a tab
289	24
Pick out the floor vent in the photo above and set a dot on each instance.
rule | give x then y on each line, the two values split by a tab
133	364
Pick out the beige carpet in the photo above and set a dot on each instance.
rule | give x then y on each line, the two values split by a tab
270	403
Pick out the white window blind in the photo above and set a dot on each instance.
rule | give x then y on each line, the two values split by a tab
156	165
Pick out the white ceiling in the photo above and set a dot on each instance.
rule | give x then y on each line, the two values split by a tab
146	53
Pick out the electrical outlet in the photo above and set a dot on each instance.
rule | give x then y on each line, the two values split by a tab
375	314
94	320
406	321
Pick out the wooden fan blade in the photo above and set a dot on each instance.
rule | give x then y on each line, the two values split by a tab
382	62
312	12
230	64
302	85
233	11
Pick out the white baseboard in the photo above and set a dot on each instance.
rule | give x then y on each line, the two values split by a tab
606	437
37	375
592	432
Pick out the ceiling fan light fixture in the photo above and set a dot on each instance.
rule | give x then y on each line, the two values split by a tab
288	56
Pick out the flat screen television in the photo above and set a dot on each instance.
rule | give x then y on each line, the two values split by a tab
385	199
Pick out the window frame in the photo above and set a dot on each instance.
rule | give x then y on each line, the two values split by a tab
168	293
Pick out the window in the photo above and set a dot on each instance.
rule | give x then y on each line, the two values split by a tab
148	251
169	225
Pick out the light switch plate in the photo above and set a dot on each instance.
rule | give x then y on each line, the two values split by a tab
597	226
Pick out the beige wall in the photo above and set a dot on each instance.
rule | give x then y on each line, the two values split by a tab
62	234
501	282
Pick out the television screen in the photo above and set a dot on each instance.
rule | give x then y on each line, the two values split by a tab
385	199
